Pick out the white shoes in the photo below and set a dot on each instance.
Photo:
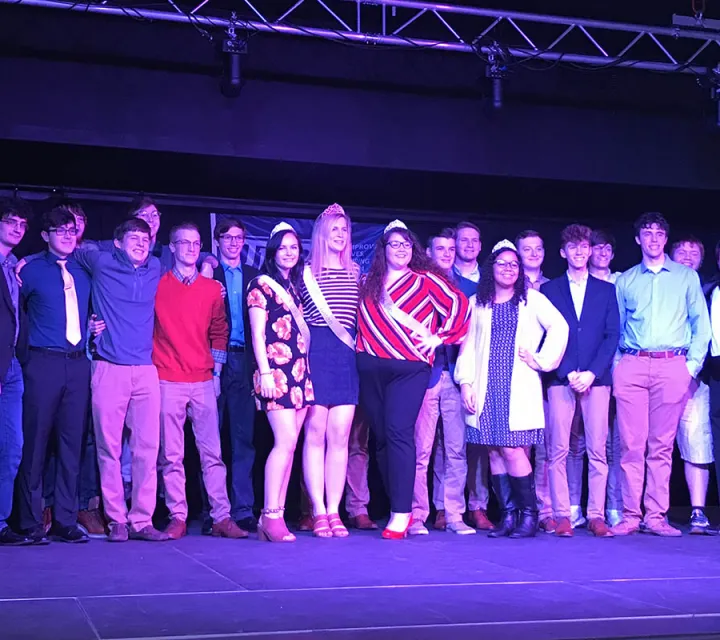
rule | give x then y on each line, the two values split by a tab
460	528
576	517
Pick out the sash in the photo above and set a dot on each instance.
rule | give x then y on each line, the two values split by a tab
402	318
288	301
341	333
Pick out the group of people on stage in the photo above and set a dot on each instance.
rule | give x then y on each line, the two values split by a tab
505	378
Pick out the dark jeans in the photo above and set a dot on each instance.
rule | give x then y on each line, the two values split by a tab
713	368
57	389
89	481
391	394
11	435
236	413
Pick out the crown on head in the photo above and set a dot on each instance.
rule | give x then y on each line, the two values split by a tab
395	224
281	226
333	210
504	244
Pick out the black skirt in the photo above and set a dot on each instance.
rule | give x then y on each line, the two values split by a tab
333	368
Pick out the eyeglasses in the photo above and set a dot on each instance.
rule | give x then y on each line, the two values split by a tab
226	237
512	265
15	223
396	244
155	215
64	232
186	244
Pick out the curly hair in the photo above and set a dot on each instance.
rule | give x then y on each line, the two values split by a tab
486	285
374	283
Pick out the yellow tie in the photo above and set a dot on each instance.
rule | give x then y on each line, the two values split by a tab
72	313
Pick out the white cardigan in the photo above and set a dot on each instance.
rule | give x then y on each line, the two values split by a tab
536	318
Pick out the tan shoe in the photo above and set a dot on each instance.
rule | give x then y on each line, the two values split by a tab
599	528
563	528
176	529
440	522
228	529
625	528
548	525
363	522
93	522
662	528
479	520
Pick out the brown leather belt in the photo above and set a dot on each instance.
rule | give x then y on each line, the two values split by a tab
659	354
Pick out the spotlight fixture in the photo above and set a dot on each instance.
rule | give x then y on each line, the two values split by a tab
496	70
232	47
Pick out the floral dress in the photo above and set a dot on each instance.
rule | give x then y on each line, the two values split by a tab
286	351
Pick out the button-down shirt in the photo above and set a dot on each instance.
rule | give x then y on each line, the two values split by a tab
8	267
186	280
663	311
234	286
611	276
44	292
537	283
577	292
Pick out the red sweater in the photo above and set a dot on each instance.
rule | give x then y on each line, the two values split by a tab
191	330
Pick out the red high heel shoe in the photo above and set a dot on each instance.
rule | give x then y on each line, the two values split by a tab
388	534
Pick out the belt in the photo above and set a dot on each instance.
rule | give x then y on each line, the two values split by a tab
670	353
67	355
236	348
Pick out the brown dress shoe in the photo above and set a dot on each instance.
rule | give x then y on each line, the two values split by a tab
362	522
440	522
625	528
92	521
599	528
176	529
662	528
479	520
548	525
228	529
150	534
305	523
118	532
563	528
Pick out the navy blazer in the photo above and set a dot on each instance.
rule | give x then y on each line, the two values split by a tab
593	339
249	274
8	349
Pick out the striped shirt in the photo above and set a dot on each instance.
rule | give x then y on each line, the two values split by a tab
340	290
428	298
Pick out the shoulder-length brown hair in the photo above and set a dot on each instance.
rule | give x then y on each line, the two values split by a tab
374	283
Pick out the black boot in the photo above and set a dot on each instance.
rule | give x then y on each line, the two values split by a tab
503	493
523	492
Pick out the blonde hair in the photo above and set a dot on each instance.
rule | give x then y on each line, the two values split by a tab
319	244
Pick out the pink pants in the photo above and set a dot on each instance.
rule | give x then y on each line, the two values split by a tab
594	406
197	401
651	394
127	394
357	494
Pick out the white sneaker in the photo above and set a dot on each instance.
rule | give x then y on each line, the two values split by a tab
576	517
460	528
418	529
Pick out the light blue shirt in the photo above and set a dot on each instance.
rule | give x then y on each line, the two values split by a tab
663	311
234	285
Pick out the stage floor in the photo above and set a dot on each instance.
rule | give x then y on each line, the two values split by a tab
439	586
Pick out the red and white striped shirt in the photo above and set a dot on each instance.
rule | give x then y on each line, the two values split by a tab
429	299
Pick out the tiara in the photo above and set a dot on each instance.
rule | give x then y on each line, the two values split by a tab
504	244
395	224
281	226
333	210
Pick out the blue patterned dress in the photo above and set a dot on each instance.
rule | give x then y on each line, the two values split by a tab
494	421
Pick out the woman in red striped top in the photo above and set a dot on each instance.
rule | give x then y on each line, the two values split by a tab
407	309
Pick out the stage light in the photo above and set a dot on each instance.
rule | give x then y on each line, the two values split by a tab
232	48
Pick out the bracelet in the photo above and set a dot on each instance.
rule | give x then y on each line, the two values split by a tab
269	373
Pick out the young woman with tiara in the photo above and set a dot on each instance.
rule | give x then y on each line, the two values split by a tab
498	371
283	388
407	310
330	301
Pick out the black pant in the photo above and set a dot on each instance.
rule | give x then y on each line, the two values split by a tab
391	394
57	390
713	369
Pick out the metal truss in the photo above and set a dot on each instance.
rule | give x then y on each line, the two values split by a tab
517	37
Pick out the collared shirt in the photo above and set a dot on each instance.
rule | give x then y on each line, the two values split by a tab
44	292
611	277
186	280
467	284
8	267
577	291
537	283
663	311
234	285
474	275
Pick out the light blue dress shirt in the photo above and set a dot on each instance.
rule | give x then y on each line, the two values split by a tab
663	311
234	282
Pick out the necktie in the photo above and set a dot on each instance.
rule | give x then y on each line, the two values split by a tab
72	313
